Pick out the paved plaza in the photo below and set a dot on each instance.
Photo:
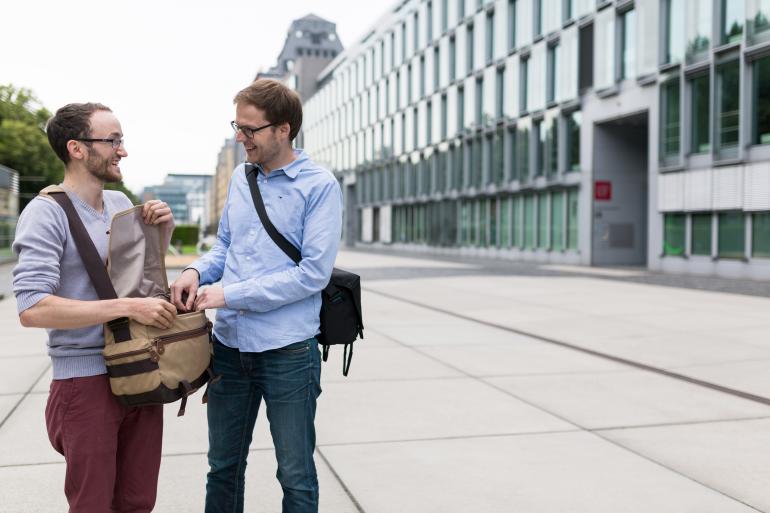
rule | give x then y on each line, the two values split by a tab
485	387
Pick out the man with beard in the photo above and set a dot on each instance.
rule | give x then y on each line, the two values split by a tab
112	451
268	307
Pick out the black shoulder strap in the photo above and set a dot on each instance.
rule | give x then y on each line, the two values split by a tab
287	247
92	262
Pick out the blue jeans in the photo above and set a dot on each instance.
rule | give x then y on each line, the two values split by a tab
289	381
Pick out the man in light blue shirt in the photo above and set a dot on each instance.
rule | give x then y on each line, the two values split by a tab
268	307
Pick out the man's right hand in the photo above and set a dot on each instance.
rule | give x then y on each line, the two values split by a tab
152	311
188	283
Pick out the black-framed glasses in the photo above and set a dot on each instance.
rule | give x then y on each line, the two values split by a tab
247	130
116	143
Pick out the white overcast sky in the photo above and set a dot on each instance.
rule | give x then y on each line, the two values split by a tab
168	68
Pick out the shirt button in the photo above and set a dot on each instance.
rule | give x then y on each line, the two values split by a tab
248	258
240	312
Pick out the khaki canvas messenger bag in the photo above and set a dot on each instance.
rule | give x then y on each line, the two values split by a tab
146	365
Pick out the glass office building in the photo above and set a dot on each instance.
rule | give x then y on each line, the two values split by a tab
628	132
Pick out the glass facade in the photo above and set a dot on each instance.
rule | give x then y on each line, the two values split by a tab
464	118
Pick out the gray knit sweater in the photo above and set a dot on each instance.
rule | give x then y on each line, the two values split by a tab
49	263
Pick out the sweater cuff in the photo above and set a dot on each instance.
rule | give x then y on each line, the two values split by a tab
27	299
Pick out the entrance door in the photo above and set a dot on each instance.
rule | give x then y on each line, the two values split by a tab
620	192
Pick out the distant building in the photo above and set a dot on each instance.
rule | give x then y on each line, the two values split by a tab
311	44
9	207
187	195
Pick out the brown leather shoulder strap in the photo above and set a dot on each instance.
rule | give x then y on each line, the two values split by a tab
88	253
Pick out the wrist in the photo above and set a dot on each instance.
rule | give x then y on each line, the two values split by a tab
197	273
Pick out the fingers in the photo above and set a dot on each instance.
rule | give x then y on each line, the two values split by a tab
192	293
156	212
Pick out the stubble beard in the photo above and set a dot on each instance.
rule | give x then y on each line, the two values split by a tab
99	167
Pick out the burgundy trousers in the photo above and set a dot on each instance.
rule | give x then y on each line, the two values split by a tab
112	451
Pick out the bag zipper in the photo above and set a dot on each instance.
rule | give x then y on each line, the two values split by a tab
160	342
157	348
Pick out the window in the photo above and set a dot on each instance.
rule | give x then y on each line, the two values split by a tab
557	221
553	72
522	152
496	176
701	139
479	101
674	14
500	93
436	69
429	123
511	144
523	81
511	24
452	63
517	238
759	20
698	29
573	141
505	222
586	57
469	49
429	37
441	170
538	17
761	107
409	84
460	9
674	234
732	239
477	162
529	221
728	107
732	20
444	15
760	235
542	220
458	164
670	111
489	51
628	45
701	234
572	219
552	147
539	135
443	117
494	221
460	110
422	77
403	42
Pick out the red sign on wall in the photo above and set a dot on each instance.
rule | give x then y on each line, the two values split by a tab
602	190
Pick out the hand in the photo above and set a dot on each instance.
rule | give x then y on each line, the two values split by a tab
187	283
152	311
210	297
158	212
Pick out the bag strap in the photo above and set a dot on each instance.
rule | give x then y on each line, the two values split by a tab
91	261
280	241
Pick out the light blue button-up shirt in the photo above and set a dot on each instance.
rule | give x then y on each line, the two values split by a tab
271	302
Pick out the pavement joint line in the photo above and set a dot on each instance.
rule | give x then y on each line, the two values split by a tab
24	396
451	437
349	493
681	423
598	434
617	359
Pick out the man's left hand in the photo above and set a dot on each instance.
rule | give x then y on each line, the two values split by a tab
158	212
210	297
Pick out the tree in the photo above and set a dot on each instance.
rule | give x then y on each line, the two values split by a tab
24	145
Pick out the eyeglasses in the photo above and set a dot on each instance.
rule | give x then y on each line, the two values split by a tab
247	130
116	143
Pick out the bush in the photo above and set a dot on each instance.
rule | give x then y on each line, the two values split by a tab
185	235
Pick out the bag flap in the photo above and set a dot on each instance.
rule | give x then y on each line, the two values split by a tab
52	188
136	264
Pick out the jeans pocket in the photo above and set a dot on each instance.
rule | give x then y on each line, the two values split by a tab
296	348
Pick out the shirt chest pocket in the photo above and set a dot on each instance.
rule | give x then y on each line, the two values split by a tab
286	214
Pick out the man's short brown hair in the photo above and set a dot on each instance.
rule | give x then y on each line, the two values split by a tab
279	103
72	121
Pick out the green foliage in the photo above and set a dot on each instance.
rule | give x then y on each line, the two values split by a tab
24	145
185	235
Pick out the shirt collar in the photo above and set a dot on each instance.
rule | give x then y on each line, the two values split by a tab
292	170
